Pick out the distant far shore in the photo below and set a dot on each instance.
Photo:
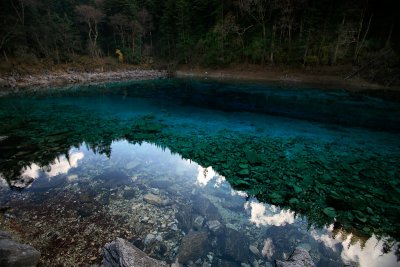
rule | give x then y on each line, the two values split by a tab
324	78
63	75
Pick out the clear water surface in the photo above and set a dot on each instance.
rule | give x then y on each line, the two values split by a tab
254	170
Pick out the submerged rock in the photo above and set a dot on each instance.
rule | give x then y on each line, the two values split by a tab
193	246
121	253
155	200
2	138
235	245
216	227
13	253
205	207
299	258
198	222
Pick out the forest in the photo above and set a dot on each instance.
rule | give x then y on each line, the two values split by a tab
210	33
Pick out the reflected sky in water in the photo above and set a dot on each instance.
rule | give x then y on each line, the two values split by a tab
145	163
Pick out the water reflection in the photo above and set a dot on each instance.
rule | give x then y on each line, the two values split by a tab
147	194
205	175
60	165
366	253
262	214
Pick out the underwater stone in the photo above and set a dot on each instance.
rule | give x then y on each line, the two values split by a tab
149	239
198	222
215	226
299	258
193	246
155	200
235	245
206	208
252	157
13	253
244	166
244	172
2	138
121	253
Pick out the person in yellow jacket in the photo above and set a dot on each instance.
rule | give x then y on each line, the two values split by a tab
120	56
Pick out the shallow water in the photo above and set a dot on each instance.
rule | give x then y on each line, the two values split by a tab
160	162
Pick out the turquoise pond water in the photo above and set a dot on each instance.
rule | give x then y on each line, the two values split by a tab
250	170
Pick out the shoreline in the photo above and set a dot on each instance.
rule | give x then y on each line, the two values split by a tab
65	78
284	77
323	79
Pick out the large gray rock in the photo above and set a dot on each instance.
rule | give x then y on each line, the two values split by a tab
121	253
206	208
14	254
235	245
299	258
194	245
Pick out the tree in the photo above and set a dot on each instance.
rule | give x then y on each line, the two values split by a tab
92	17
257	9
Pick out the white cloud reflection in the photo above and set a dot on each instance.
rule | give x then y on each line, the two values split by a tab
262	214
61	166
205	175
369	255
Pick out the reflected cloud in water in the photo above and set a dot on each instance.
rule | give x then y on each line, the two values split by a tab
61	165
205	175
370	254
262	214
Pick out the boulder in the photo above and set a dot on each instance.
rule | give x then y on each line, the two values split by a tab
216	227
299	258
121	253
235	245
194	245
206	208
13	254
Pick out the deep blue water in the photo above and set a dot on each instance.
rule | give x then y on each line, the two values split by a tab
255	165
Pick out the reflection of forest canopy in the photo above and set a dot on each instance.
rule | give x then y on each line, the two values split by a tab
255	166
207	32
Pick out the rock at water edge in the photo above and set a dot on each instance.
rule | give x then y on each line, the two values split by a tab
13	253
121	253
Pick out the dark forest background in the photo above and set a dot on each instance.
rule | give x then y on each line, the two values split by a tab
211	33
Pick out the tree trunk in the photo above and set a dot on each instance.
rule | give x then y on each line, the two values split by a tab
334	59
361	44
271	55
264	43
387	43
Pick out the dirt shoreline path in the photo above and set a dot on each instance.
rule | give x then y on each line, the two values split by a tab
63	78
282	77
